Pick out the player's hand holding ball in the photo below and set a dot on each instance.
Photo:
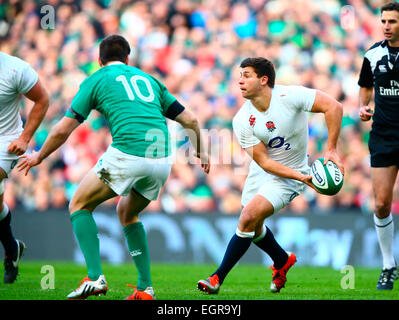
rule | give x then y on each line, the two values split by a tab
327	177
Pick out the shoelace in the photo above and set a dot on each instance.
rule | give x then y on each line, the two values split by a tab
277	275
214	280
82	281
385	276
136	293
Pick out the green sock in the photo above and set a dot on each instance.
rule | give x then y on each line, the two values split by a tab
136	238
86	232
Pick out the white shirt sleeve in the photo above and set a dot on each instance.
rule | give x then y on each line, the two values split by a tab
26	78
301	97
244	132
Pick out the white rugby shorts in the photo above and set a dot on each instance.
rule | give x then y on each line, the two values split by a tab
123	172
7	160
278	191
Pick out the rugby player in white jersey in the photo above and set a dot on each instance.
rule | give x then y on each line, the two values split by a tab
272	127
17	79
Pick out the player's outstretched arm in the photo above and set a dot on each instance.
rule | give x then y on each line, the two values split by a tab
41	102
57	136
333	112
190	123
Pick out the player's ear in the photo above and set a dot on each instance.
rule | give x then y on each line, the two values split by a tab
264	80
99	62
127	60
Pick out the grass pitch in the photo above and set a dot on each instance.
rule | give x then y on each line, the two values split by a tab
178	282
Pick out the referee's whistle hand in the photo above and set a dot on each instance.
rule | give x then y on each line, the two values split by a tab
365	113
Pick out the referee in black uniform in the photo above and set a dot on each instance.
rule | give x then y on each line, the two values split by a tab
380	72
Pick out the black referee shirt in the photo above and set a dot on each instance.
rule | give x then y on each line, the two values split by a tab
380	70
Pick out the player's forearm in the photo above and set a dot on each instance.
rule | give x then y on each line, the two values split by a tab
278	169
196	139
191	126
55	139
333	118
35	117
365	95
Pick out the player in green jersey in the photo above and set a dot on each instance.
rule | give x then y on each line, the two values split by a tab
135	166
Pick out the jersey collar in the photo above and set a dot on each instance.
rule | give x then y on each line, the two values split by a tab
113	63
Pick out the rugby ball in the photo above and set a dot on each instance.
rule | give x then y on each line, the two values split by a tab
327	179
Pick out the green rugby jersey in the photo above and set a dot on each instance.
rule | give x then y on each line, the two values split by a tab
133	103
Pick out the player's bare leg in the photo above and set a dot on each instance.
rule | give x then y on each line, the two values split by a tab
383	180
90	193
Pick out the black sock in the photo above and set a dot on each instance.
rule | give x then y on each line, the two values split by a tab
7	239
235	250
269	245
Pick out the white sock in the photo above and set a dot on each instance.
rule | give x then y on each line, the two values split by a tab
384	228
245	234
4	213
262	235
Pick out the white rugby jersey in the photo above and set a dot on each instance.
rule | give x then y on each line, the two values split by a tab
283	127
17	77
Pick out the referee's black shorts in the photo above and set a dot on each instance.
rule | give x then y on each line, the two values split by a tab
384	151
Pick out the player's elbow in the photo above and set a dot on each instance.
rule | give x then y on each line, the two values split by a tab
339	109
335	110
44	102
193	123
61	131
188	120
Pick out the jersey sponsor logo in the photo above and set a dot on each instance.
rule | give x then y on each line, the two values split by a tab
270	126
252	120
392	91
278	142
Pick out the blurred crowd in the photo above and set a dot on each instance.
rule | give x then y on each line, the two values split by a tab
194	47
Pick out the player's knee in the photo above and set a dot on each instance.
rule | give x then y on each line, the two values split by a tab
247	221
125	216
382	208
76	205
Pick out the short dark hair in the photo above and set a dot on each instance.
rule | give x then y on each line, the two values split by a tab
114	48
392	6
262	67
